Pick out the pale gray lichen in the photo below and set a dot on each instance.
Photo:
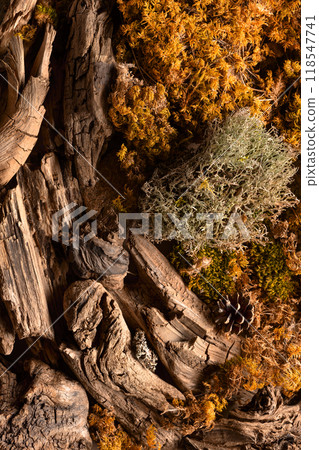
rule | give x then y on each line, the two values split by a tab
142	352
240	168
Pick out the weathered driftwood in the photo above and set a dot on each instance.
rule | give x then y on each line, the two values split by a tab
33	268
100	259
179	326
89	66
163	280
46	410
24	285
22	119
33	275
106	365
274	427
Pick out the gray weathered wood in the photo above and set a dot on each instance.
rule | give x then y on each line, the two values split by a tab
47	411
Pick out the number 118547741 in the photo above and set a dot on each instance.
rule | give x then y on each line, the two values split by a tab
310	48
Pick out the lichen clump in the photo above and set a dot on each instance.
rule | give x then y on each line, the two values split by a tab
241	173
142	352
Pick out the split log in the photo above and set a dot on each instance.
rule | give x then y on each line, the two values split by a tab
28	257
23	117
46	410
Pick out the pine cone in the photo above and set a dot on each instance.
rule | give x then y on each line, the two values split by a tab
234	314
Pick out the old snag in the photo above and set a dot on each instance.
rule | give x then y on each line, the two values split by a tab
265	422
45	410
78	309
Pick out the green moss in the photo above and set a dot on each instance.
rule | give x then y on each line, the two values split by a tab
269	264
217	275
264	265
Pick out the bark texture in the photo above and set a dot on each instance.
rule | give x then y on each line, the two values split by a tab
46	410
88	70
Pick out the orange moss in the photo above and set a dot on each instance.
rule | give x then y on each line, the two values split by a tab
106	433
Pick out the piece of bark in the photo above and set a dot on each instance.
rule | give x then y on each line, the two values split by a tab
45	411
89	65
108	369
13	15
22	121
274	428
